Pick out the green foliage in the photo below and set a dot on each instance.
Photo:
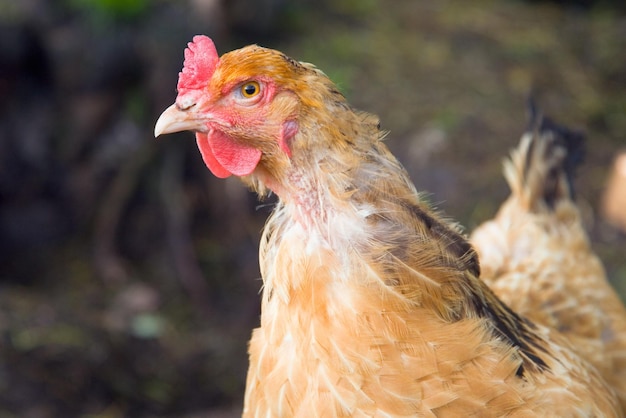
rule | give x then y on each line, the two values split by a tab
111	10
353	7
58	335
147	326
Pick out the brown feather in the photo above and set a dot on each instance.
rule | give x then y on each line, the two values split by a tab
371	303
536	256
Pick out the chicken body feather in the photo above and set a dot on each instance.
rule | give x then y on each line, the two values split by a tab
536	256
371	305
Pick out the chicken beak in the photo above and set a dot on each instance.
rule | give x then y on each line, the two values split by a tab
175	120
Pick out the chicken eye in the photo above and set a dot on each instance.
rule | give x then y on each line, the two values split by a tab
250	89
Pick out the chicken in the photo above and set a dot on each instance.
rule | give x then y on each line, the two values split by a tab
372	303
614	196
536	256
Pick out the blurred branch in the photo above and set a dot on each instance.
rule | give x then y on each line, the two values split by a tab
178	231
109	264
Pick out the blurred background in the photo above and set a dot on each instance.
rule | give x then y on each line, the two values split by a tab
128	273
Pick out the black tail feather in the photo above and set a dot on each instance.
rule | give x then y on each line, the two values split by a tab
563	151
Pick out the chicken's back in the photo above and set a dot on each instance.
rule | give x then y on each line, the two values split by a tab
536	255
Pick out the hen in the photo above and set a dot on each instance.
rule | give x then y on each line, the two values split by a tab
536	257
371	305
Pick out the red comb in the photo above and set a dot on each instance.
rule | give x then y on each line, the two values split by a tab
200	61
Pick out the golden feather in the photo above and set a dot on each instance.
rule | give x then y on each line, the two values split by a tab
371	304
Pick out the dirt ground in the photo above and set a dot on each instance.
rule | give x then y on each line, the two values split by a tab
128	274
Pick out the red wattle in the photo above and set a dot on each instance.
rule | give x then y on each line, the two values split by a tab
209	159
225	156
